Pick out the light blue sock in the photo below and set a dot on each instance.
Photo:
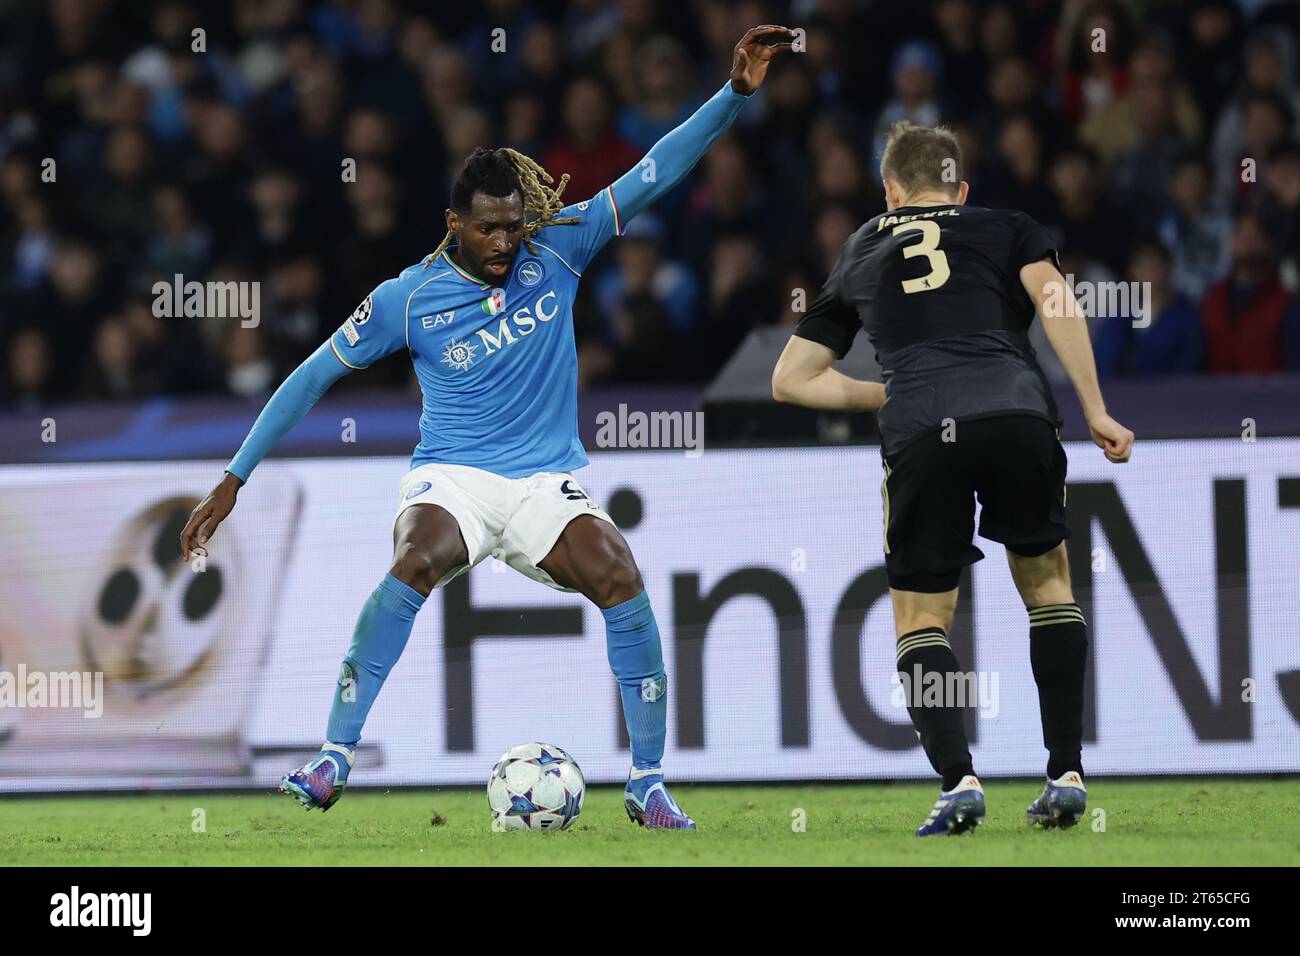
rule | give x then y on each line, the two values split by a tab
383	628
637	660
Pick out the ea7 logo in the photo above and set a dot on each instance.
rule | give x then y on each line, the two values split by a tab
438	320
103	909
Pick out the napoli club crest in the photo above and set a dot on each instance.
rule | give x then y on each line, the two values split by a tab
530	272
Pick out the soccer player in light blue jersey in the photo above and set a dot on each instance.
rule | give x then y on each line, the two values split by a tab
487	319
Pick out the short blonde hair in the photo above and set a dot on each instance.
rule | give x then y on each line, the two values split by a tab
922	158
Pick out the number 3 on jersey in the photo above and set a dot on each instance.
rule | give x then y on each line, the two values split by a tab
928	247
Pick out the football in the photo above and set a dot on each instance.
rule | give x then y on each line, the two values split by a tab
535	787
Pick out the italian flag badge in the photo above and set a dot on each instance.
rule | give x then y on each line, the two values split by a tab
495	302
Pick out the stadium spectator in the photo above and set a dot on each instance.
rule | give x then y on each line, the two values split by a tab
1270	71
1159	123
964	73
999	32
1243	316
30	370
249	372
1091	53
917	72
663	93
1196	228
738	290
33	246
1018	183
1075	181
178	243
1165	337
1279	208
1104	120
1213	36
590	150
79	294
114	372
1153	111
643	270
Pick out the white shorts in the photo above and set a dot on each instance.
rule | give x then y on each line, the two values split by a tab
516	520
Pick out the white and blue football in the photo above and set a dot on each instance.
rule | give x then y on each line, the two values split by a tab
535	787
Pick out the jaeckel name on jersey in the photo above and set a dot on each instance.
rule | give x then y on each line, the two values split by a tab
937	290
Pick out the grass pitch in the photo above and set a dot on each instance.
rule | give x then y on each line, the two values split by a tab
1185	822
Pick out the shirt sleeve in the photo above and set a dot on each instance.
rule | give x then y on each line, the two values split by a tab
607	214
675	155
376	328
577	243
291	401
1032	242
831	321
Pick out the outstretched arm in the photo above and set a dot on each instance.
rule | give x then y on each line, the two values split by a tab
670	159
291	401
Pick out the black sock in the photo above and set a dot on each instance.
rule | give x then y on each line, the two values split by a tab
939	726
1058	651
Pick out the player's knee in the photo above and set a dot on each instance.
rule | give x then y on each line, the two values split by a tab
422	564
620	582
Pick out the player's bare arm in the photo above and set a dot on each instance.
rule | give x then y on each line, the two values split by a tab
804	376
754	53
210	512
1067	330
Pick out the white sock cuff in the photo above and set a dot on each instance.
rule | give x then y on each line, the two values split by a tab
348	755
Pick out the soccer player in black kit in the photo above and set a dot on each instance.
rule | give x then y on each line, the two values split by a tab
946	293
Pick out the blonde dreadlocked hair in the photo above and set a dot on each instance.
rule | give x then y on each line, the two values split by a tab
499	172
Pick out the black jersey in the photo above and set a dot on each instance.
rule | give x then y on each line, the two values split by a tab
938	291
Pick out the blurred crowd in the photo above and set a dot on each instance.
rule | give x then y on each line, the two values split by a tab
1158	140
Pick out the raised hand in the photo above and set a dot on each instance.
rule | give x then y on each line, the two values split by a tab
753	54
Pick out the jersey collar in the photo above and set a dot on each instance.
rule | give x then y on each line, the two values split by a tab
446	254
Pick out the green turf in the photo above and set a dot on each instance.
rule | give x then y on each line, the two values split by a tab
1182	822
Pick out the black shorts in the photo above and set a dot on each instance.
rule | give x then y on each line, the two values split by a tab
1013	463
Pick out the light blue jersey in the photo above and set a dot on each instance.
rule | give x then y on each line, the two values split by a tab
497	364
